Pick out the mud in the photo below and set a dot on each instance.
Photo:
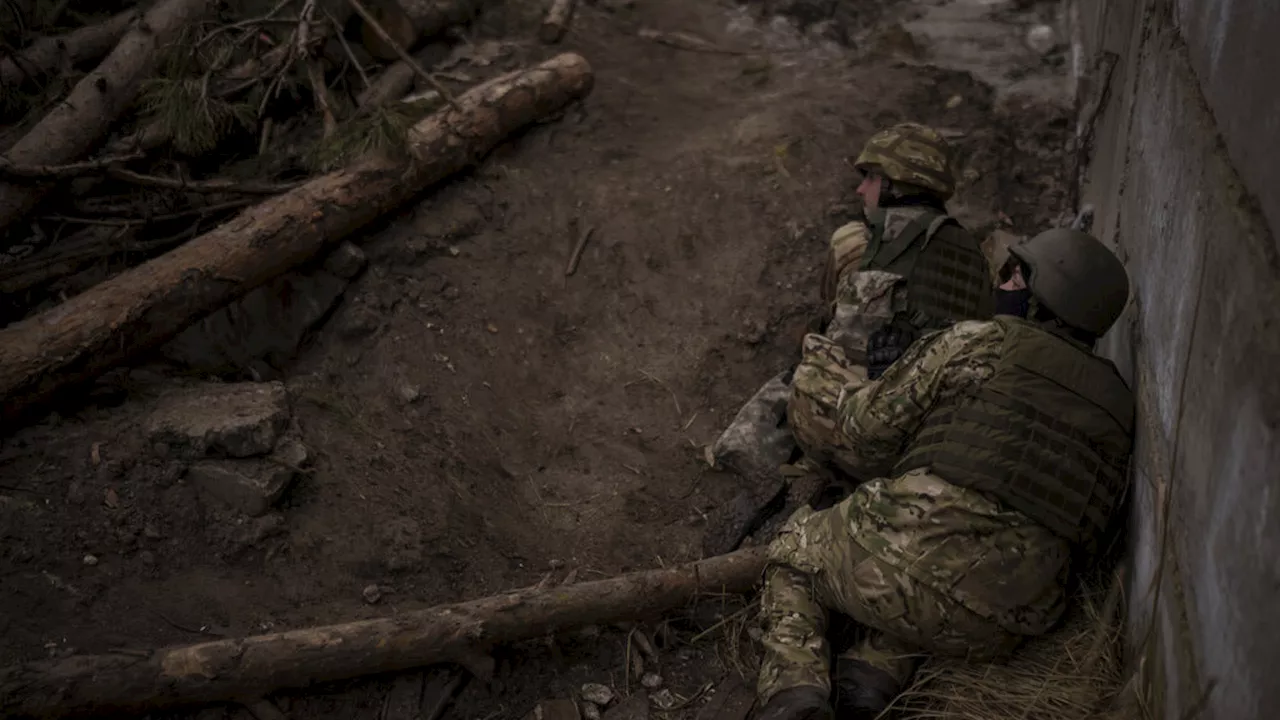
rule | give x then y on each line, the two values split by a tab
476	417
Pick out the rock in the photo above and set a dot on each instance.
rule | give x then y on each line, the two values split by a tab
558	709
1041	39
233	419
251	486
402	544
346	262
590	711
359	322
90	560
267	324
635	707
410	393
651	681
596	693
664	699
372	594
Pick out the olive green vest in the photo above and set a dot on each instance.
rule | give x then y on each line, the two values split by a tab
1048	435
946	272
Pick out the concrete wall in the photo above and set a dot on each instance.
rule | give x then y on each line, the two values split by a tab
1185	175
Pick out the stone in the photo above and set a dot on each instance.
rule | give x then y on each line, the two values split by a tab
1041	39
372	594
664	699
410	393
251	486
596	693
635	707
557	709
268	324
235	420
90	560
346	261
359	322
651	681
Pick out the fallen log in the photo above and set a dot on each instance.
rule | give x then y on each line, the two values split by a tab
142	308
396	80
80	121
243	668
47	55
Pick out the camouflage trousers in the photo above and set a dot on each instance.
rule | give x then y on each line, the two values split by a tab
825	370
815	569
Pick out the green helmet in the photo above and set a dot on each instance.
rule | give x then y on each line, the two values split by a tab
910	153
1076	277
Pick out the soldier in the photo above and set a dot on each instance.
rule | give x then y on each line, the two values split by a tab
1005	443
905	267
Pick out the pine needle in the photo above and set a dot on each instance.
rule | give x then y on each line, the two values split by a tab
380	130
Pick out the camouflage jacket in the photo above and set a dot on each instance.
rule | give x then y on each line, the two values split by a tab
996	562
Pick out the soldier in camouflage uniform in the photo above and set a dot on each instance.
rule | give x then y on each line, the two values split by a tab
999	450
904	267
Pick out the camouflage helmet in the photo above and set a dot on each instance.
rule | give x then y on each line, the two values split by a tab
1076	277
910	153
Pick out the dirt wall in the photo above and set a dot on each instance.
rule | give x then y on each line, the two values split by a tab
1177	101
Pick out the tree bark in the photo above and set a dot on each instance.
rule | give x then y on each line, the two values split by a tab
47	55
142	308
78	123
236	669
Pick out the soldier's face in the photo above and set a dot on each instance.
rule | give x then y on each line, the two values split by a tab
1015	281
869	190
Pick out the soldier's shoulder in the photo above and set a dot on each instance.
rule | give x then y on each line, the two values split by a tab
975	334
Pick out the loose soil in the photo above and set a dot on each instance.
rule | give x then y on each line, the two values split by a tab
481	419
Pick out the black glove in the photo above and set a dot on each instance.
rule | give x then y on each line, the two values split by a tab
886	345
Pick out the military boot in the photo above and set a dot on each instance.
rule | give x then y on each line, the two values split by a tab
805	702
863	691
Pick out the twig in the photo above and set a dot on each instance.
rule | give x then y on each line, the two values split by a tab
186	628
8	167
404	55
364	77
315	74
321	94
445	698
576	255
206	186
674	398
685	41
156	218
265	142
688	701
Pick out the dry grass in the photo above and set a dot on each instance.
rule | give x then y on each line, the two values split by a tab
1073	673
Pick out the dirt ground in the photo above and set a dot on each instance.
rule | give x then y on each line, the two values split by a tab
478	418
